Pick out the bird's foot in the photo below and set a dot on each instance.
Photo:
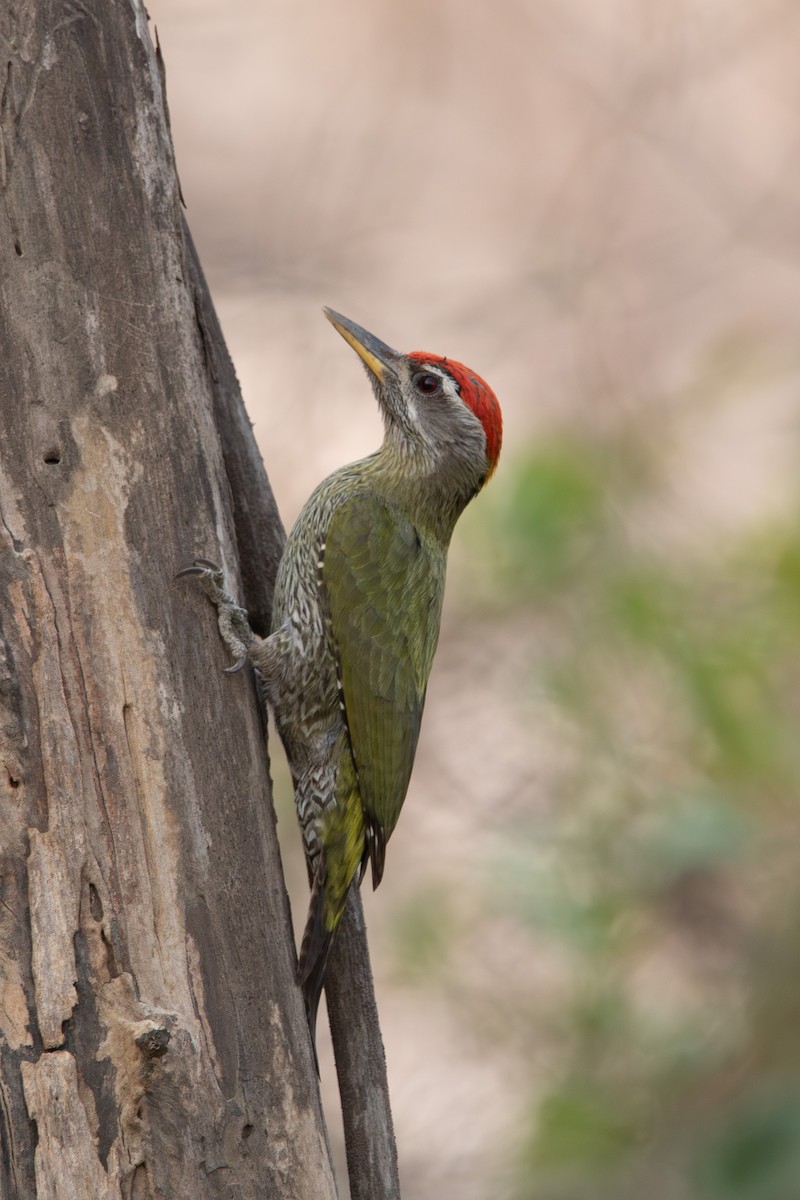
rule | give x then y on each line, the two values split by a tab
231	618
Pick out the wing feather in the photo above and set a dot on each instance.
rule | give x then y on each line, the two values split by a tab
384	585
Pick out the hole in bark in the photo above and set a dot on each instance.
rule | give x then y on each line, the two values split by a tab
246	1131
154	1042
18	249
12	782
52	456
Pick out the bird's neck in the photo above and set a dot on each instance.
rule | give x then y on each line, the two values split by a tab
432	490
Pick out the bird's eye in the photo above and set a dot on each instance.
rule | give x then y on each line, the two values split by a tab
427	384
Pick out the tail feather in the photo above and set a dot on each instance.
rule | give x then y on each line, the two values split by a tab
343	851
376	848
314	949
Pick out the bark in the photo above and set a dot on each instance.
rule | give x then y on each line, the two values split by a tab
154	1041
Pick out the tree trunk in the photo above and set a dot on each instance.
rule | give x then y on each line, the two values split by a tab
154	1040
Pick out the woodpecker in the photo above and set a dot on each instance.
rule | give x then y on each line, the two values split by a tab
357	606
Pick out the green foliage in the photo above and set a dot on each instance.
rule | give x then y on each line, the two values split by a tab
667	873
552	509
755	1153
547	511
423	931
580	1129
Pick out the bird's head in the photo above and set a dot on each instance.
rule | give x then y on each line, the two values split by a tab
438	414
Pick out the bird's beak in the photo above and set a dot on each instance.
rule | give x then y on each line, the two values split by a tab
379	357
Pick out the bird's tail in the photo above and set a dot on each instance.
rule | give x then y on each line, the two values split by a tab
315	948
341	837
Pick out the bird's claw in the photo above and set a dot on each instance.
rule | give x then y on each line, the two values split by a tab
233	623
202	567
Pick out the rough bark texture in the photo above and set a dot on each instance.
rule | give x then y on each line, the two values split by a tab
154	1042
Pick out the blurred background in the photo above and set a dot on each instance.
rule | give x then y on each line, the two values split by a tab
587	942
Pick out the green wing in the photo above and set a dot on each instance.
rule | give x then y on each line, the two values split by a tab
384	585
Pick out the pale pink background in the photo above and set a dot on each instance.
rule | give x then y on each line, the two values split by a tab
596	206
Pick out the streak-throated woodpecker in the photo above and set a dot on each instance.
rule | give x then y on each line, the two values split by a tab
357	606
